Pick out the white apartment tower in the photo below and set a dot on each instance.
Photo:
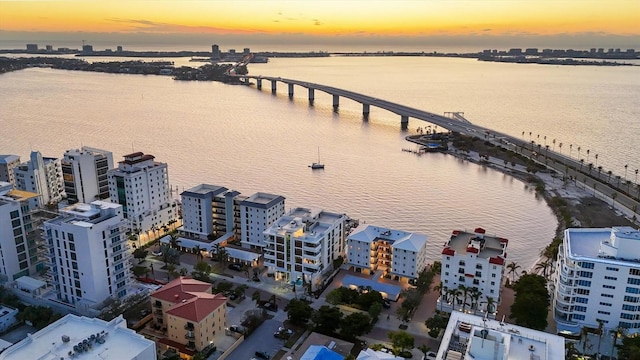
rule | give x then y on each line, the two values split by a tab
84	173
7	164
19	235
597	277
41	175
257	213
473	263
89	254
141	185
301	246
397	254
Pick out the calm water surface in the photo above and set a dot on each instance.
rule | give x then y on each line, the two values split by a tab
251	140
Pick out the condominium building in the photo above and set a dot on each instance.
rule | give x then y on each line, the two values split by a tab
141	185
89	254
85	174
398	254
41	175
7	164
472	263
209	211
190	313
19	235
257	213
78	337
469	336
301	246
597	278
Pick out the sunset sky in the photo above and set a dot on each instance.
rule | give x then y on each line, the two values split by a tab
606	23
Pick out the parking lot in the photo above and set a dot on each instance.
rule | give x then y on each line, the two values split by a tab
261	340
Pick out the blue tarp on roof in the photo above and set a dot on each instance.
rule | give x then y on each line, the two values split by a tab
392	291
319	352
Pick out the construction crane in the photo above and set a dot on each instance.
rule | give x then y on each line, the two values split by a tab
233	71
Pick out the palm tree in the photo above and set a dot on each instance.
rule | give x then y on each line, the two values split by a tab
174	242
600	325
491	303
544	266
198	251
222	255
464	290
618	332
513	268
438	288
456	295
475	295
584	334
424	349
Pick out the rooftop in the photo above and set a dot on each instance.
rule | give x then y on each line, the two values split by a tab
399	239
198	307
109	340
87	215
615	245
202	190
5	159
462	242
18	195
180	289
480	338
263	200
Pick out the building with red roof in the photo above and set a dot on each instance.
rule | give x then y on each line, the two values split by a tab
473	265
191	315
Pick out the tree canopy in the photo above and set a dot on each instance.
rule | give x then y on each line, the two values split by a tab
401	341
298	311
531	303
355	324
326	320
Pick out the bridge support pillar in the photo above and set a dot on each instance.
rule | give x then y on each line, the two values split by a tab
404	122
259	84
365	111
274	86
311	95
290	90
336	102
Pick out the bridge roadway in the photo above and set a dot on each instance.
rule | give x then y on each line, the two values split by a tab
621	193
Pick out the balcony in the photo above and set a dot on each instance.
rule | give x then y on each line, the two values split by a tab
189	326
157	304
158	312
190	335
191	345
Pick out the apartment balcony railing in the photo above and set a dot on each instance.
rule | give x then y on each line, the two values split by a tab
190	335
189	326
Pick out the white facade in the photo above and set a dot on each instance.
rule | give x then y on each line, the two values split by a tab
74	337
19	237
84	173
474	337
197	210
7	317
597	277
89	254
476	262
302	245
141	186
42	176
257	213
7	164
393	253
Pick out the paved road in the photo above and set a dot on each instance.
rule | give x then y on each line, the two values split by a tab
261	340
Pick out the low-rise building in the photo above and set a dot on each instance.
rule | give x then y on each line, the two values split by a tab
189	313
75	337
472	269
7	317
597	279
469	336
302	245
397	254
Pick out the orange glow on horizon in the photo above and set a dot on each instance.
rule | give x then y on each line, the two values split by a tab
348	17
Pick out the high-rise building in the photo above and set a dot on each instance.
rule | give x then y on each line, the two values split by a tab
141	185
7	164
41	175
476	262
257	213
301	246
89	254
397	254
20	242
597	278
78	337
85	174
211	211
215	52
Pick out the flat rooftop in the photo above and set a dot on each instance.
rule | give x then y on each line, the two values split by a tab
493	246
118	342
19	195
481	338
399	239
204	189
590	244
262	200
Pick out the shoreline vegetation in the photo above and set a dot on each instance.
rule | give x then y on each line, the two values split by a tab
572	204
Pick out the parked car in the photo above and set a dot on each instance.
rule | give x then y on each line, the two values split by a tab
430	356
236	267
262	355
386	304
156	253
233	296
268	306
237	328
283	333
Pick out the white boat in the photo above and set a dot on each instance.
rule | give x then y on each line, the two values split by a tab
317	165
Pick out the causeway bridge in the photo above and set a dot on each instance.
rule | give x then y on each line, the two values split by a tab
621	193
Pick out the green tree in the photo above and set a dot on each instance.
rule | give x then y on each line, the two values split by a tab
355	324
629	349
256	297
326	319
334	297
513	268
139	271
140	254
401	341
365	300
531	303
374	311
424	349
298	312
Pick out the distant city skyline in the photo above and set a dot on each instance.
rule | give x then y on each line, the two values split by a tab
325	25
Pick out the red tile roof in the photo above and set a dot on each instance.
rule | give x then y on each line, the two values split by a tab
197	308
181	289
503	240
496	260
448	251
479	231
176	345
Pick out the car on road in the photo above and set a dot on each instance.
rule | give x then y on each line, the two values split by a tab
156	253
430	356
283	333
268	306
236	267
262	355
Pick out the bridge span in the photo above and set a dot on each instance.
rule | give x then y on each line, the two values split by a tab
454	122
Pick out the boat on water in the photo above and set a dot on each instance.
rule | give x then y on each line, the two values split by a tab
317	165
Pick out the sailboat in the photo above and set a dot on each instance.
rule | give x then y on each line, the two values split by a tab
317	165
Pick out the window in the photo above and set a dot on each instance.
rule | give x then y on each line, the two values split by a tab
632	290
577	317
608	286
635	272
579	308
604	312
631	299
586	274
629	307
582	291
586	265
612	278
606	295
605	304
584	283
612	269
633	281
582	300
